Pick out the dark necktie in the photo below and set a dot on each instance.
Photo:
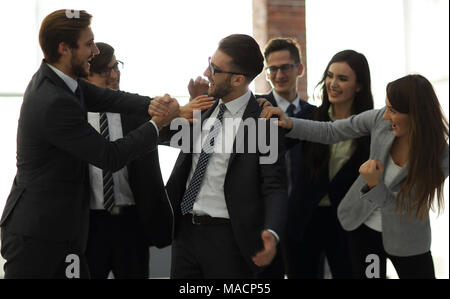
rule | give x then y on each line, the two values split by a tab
287	156
108	183
194	186
290	110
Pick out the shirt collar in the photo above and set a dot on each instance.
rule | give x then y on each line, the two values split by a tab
236	105
70	82
284	104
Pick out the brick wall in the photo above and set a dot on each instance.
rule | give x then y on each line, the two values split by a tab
280	18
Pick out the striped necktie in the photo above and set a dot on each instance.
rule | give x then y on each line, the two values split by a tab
194	186
108	183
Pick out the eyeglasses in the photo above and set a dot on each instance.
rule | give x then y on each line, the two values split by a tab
272	70
117	67
214	70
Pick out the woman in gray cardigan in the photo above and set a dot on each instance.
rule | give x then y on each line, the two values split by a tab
387	207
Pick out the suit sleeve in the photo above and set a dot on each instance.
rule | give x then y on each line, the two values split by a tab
274	189
333	132
98	99
64	125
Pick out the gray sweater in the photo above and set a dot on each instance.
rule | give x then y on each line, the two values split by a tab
402	234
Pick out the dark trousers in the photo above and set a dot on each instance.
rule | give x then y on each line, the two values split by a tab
116	243
34	258
364	242
207	251
323	236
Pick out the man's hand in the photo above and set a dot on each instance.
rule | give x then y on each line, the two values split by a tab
263	102
159	106
173	111
265	256
284	121
201	103
197	87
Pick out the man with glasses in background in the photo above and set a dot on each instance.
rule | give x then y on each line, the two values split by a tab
134	212
283	68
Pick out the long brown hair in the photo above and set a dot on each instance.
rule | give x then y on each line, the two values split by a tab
318	155
428	135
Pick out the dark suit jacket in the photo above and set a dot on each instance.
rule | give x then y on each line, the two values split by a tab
294	146
304	205
50	194
255	193
146	183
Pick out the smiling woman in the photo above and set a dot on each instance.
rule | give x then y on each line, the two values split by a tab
387	208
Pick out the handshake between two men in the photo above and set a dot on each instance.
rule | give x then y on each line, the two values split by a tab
164	109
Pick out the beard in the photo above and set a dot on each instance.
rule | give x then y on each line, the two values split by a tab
78	68
113	84
222	90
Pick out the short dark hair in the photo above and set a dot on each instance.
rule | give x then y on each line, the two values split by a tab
61	26
99	63
245	54
284	43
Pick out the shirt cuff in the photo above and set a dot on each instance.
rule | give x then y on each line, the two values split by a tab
275	234
156	127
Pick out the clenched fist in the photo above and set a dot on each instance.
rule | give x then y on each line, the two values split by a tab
371	171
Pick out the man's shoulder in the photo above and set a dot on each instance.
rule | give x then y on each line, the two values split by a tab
306	109
268	96
43	89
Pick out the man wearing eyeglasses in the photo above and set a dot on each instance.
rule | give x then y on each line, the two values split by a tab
283	68
229	207
141	216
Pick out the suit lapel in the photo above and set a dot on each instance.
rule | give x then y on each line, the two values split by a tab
49	73
46	72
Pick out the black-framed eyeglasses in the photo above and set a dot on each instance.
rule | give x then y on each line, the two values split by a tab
117	67
272	70
214	70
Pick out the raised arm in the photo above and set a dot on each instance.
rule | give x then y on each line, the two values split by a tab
100	99
327	132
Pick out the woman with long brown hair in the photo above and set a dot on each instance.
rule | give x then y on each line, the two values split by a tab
387	208
326	173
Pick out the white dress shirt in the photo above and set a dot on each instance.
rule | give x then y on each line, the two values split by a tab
70	82
390	172
211	198
284	104
123	196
